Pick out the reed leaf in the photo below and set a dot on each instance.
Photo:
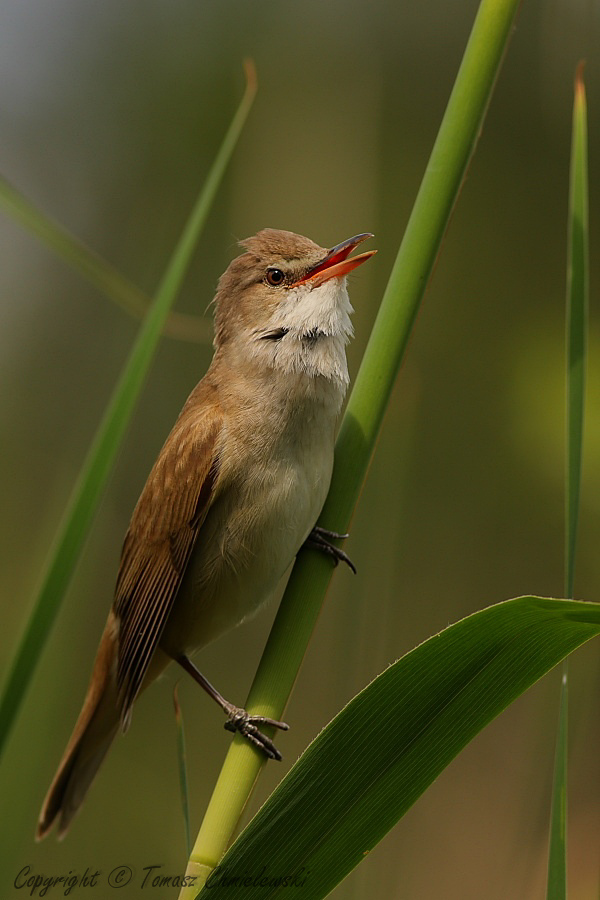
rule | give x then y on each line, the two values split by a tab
182	766
576	330
373	761
91	266
101	456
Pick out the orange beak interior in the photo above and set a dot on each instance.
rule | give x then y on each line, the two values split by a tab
337	263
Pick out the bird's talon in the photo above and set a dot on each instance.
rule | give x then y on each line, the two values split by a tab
320	539
241	722
332	535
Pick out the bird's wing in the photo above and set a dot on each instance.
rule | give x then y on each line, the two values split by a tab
159	541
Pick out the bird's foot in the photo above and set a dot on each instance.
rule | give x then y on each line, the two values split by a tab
243	723
320	539
238	720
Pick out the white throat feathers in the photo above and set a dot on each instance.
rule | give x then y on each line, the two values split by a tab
308	333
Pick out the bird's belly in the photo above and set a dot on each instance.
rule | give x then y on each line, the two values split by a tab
245	545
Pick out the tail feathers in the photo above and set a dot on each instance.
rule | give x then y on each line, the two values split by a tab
93	734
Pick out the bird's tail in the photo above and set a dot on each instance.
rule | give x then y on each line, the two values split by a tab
93	734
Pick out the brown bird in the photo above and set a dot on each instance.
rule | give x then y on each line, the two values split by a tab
235	492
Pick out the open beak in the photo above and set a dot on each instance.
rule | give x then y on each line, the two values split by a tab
337	263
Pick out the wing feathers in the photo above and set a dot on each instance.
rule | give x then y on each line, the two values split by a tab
160	539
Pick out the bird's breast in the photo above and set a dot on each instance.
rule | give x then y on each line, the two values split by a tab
275	487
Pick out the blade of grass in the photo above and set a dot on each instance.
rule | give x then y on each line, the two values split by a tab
576	329
384	749
310	577
100	273
98	464
577	315
183	779
557	856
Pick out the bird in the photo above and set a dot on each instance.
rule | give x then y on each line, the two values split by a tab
235	492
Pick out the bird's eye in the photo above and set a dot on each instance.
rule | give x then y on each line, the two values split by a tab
275	277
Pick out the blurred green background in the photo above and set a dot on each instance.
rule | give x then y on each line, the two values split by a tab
110	115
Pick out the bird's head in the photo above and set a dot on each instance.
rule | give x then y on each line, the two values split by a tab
284	303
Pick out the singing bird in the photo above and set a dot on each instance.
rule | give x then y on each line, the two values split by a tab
235	492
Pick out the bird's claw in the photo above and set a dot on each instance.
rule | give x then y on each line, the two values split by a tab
320	539
241	722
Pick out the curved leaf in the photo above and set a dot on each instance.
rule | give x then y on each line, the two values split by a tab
101	456
371	763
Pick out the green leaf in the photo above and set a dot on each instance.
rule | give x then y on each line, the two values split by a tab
577	317
370	764
576	330
100	273
101	456
182	765
557	856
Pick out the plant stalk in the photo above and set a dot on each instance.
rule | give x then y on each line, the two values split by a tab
310	577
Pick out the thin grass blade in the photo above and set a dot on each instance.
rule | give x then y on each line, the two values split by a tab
100	273
381	752
99	462
577	321
576	330
182	766
557	856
